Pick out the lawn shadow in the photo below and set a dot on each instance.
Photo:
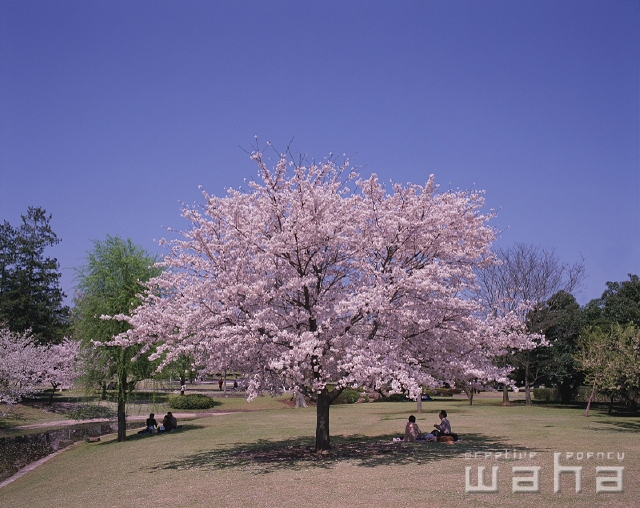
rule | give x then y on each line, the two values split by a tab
186	427
622	426
263	456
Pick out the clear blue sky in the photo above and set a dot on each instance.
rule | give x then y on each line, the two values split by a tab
113	112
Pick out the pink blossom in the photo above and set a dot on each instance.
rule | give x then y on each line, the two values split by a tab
314	277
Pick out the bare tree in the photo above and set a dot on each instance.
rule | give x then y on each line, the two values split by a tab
524	278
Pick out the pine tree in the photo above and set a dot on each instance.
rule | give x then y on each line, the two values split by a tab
30	293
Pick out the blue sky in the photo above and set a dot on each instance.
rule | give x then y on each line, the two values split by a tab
111	113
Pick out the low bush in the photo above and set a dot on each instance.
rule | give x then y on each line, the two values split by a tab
88	412
584	392
443	392
396	397
348	396
546	394
192	401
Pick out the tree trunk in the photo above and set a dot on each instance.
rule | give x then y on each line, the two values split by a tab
467	387
104	390
225	381
419	405
322	425
632	399
527	386
53	391
122	396
593	391
505	395
610	410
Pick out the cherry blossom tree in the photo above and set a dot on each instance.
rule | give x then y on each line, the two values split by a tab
25	367
21	365
60	365
317	280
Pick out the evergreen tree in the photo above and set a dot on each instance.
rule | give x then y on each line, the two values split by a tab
560	320
30	293
620	303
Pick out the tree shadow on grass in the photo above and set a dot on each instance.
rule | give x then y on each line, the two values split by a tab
186	427
263	457
622	426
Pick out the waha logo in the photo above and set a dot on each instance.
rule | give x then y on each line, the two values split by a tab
611	482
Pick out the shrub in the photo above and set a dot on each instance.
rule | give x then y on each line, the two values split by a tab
348	396
443	392
546	394
191	401
584	392
396	397
89	411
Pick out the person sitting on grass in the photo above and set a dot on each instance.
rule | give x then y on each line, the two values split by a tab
151	425
444	427
411	431
167	423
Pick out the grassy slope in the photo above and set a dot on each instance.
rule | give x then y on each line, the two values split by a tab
225	461
14	416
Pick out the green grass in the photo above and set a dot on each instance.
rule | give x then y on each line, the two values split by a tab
262	458
12	416
78	406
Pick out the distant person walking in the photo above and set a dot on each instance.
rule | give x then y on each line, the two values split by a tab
220	384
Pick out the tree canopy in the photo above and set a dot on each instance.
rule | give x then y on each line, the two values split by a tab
610	343
110	282
619	303
317	280
30	293
26	367
535	283
560	319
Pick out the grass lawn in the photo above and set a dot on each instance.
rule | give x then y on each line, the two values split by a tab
74	405
262	458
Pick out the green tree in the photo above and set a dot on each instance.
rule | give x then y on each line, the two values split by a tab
525	281
30	293
110	283
620	303
611	334
560	320
610	357
182	368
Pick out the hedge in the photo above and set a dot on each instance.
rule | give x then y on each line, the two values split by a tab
191	401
